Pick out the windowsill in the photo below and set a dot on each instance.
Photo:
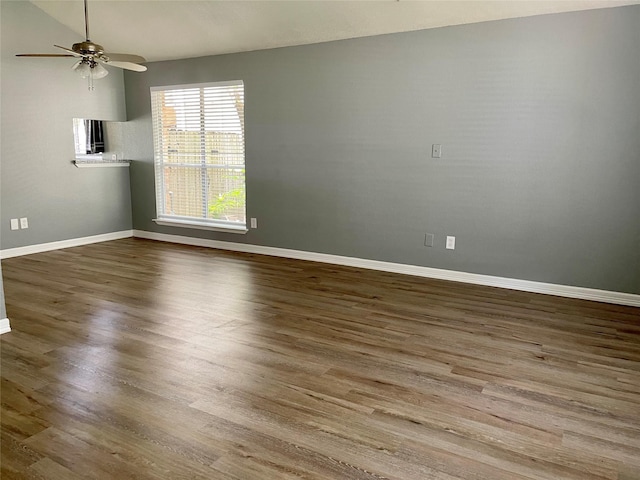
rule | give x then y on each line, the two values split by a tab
101	163
242	229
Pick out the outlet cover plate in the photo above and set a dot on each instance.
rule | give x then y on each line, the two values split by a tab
14	224
451	243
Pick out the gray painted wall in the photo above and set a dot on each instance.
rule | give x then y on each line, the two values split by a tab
39	99
539	119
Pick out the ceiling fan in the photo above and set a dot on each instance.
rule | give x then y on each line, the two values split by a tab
92	56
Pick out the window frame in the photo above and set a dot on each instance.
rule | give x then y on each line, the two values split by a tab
201	223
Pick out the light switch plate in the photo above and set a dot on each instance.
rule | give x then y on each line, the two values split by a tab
436	150
428	239
254	223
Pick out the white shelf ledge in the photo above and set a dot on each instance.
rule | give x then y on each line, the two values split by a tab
101	163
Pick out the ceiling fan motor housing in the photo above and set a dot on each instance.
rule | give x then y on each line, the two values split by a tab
88	48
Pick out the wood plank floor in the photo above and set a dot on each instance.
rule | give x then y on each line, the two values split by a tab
135	359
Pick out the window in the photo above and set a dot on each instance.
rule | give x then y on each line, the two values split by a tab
198	133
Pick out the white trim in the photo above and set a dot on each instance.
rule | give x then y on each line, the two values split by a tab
474	278
72	242
202	226
103	163
4	326
415	270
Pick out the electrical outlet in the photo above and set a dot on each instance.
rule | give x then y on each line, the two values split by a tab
24	223
451	243
14	224
428	239
436	150
254	223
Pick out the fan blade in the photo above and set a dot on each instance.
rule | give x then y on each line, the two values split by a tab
124	57
126	65
75	54
43	55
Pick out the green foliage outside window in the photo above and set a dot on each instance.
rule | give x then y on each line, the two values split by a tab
231	202
227	201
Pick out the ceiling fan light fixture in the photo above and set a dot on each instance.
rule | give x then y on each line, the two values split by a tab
99	71
82	67
90	69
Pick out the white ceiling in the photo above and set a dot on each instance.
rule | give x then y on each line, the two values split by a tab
171	29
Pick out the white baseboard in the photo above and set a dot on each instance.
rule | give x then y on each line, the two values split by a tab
72	242
428	272
436	273
4	326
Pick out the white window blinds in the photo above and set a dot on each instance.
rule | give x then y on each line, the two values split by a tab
198	133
